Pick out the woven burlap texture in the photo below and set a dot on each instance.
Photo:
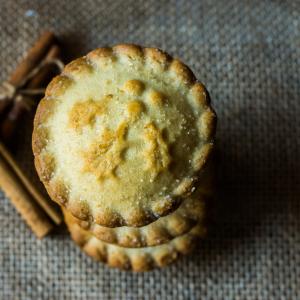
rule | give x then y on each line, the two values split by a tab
248	55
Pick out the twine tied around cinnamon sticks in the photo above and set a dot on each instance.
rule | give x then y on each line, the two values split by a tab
16	97
10	92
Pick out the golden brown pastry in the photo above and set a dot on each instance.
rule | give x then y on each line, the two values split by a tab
123	135
192	211
136	259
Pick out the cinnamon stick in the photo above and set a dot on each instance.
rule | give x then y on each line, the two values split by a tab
9	124
8	127
44	75
33	215
33	57
44	203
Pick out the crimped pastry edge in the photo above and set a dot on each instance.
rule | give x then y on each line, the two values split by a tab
158	232
45	164
135	259
191	211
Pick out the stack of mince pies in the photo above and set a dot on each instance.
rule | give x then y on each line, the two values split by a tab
123	142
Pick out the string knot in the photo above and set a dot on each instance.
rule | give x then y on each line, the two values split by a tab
7	91
10	92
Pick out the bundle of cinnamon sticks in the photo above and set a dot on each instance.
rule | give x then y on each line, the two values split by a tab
39	212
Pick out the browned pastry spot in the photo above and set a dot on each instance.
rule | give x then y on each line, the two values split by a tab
207	124
134	109
58	191
157	153
105	234
156	98
182	71
105	155
133	87
45	164
131	51
79	208
199	94
202	156
58	86
44	110
157	57
78	68
100	53
108	217
165	204
85	112
39	139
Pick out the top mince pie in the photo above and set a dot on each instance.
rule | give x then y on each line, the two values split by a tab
122	135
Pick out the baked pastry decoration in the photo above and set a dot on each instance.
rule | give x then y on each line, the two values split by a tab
123	137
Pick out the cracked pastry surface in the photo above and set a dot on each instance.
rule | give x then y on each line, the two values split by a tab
122	135
136	259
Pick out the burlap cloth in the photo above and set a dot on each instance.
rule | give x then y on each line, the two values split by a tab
248	55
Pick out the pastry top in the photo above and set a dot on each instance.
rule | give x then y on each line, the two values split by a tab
122	135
